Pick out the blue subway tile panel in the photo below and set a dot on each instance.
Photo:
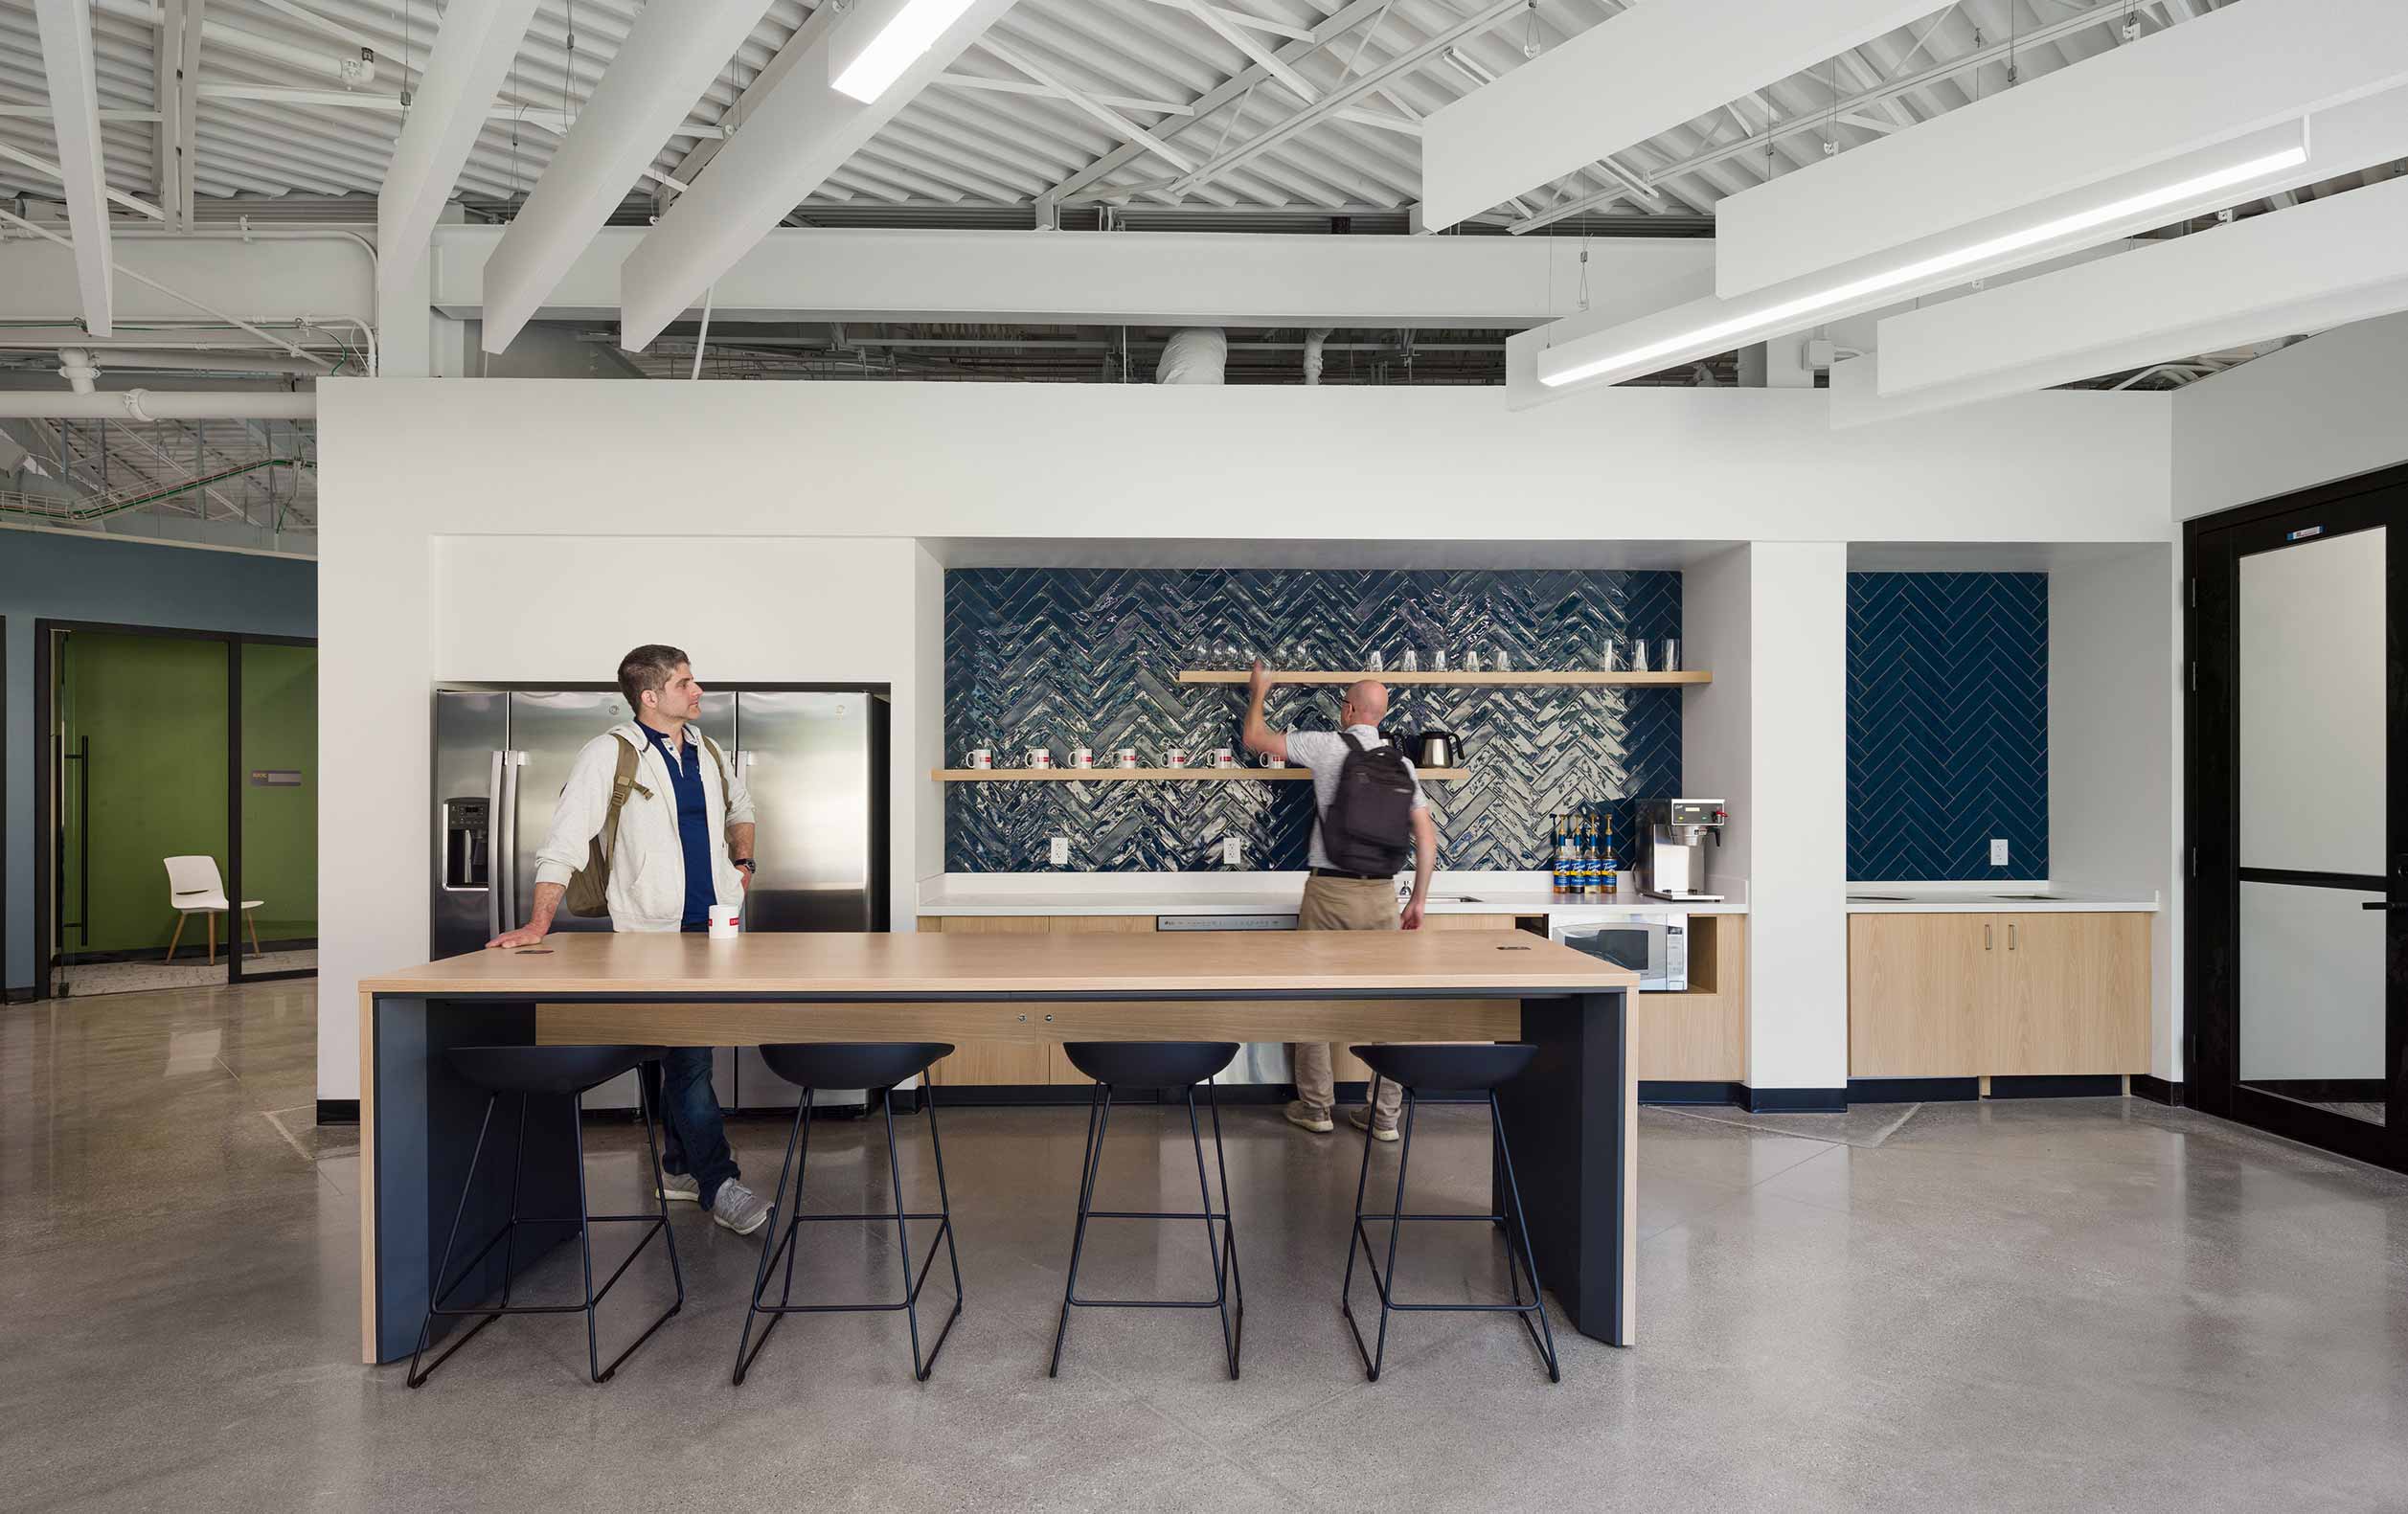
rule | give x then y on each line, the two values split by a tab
1069	657
1947	725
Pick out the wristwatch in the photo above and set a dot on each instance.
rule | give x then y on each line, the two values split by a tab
746	863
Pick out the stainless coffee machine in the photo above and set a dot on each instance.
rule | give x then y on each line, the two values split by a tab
1672	837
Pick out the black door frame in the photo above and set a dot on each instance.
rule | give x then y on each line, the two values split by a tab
2213	546
46	818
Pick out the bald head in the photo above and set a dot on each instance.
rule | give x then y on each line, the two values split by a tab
1366	701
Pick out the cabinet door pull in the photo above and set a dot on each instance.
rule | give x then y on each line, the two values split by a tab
2011	936
1986	936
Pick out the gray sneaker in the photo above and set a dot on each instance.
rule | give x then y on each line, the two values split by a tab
1303	1116
1361	1119
676	1186
738	1207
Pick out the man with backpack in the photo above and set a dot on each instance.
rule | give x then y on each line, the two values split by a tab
1367	811
654	826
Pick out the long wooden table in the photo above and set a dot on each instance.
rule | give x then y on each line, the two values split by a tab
1571	1118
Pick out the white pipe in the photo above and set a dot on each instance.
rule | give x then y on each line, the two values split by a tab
76	367
1314	340
143	404
110	357
154	284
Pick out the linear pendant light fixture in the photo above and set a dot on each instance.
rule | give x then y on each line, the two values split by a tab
892	33
2063	225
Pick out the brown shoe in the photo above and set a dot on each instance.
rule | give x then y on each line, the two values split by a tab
1303	1116
1360	1118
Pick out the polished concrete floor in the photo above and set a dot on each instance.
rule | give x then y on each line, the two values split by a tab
2094	1304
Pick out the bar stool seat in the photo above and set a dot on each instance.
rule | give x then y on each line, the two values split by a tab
545	1072
1179	1065
1464	1070
876	1065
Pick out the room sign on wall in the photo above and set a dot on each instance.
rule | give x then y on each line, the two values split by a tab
275	778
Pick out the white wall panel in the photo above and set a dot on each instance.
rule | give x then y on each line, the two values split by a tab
2311	983
2314	705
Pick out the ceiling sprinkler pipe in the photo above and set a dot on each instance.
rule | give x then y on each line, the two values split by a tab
76	367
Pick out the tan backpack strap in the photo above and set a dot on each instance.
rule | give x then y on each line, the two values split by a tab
622	783
721	762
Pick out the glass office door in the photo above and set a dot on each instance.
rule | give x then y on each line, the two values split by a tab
2300	899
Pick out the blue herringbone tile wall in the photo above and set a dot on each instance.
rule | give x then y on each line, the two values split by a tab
1060	657
1948	724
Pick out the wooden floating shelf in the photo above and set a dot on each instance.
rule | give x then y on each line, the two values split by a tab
1218	675
1125	775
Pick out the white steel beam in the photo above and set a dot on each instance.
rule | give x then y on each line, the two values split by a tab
2228	73
1020	86
806	38
1119	124
2322	264
50	169
791	141
1350	90
1631	77
669	58
463	72
1134	278
66	32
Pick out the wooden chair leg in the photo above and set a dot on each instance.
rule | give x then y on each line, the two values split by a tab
212	937
253	920
178	936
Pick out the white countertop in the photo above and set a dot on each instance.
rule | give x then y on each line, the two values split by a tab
1258	893
1875	898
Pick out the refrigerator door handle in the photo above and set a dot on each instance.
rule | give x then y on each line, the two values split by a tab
496	848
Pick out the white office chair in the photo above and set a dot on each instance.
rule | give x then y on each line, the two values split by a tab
194	887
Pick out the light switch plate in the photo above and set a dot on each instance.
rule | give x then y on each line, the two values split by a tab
1060	854
1233	850
1998	851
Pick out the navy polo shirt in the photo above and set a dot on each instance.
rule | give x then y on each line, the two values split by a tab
694	825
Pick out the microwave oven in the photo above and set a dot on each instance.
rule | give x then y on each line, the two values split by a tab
1654	945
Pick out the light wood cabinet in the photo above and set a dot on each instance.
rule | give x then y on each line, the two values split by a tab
2073	995
1699	1035
1997	995
1019	1063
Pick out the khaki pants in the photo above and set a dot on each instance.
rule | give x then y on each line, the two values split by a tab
1342	904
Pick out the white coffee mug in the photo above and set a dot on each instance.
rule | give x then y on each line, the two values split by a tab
1040	758
1174	757
1082	757
1127	757
726	921
1225	757
982	758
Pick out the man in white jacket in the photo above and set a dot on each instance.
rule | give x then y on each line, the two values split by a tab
685	842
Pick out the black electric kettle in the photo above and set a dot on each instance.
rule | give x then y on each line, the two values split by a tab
1436	749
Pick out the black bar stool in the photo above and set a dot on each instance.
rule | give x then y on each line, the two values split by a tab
876	1065
1157	1064
551	1072
1465	1068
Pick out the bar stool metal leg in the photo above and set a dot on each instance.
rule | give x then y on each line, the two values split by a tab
1544	1337
788	1240
1099	1121
426	1326
1227	1241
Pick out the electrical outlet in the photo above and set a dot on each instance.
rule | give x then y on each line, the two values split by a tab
1060	854
1998	851
1233	850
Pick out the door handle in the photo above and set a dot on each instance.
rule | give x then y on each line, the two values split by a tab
2379	906
497	858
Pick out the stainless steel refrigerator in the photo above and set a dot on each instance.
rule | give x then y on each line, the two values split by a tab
815	761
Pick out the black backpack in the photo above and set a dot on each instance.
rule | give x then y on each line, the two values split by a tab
1368	828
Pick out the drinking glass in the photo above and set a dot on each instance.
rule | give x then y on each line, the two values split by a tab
1638	655
1610	656
1668	658
1372	663
1411	662
1504	663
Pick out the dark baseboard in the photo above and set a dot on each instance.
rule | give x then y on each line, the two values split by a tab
338	1112
1796	1100
1914	1090
2082	1085
20	996
1663	1090
2156	1090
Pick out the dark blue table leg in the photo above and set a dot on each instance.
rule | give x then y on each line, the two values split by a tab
1572	1120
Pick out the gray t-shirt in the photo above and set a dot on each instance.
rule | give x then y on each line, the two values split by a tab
1324	752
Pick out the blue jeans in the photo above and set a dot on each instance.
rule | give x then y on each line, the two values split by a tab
694	1137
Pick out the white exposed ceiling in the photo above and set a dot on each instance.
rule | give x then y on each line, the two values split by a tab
1198	77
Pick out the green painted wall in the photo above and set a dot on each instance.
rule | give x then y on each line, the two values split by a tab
154	710
280	824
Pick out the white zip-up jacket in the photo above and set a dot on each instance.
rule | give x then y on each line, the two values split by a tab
648	865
